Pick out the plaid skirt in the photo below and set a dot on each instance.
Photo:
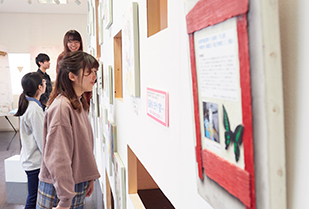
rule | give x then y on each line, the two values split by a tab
47	197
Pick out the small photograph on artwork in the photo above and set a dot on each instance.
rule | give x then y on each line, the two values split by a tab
211	121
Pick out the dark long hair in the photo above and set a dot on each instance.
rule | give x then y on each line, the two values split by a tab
72	62
30	83
75	37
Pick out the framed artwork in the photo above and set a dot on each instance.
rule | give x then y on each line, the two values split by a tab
157	105
108	13
130	45
100	22
6	102
88	32
93	52
120	183
98	130
105	115
98	103
103	140
108	160
111	144
100	75
89	18
93	16
105	78
110	84
94	100
102	125
220	68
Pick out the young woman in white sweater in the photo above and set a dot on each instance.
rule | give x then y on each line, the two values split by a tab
31	131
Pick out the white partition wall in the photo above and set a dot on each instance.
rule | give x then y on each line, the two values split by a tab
165	151
152	131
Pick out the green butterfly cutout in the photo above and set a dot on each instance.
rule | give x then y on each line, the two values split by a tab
232	137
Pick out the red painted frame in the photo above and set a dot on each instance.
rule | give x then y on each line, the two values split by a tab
238	182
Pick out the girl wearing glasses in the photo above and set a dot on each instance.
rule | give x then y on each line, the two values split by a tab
72	41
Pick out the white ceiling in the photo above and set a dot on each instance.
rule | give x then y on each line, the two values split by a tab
22	6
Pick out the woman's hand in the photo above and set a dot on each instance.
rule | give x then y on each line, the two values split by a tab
90	188
88	192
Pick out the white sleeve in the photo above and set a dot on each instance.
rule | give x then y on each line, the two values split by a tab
37	121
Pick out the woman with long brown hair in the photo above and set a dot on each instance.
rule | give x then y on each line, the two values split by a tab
68	167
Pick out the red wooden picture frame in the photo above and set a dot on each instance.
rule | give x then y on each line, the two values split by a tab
238	182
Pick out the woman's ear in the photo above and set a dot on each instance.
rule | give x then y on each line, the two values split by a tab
72	77
40	89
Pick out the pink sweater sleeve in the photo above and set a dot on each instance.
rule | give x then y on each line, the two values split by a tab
58	160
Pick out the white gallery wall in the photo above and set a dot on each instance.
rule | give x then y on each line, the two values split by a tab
21	31
294	29
166	152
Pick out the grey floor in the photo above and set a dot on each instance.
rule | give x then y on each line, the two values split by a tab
9	146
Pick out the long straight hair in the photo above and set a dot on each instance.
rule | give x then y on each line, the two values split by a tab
30	83
73	62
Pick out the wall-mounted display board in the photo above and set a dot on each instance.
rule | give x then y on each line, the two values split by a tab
112	145
118	65
100	78
157	105
104	117
100	22
6	98
91	18
131	62
105	78
108	13
110	90
120	183
98	100
219	54
97	27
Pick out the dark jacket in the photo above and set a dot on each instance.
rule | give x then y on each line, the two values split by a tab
45	97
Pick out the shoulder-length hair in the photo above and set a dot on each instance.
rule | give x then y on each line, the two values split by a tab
73	62
74	36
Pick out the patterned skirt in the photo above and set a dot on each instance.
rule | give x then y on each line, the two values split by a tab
47	197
